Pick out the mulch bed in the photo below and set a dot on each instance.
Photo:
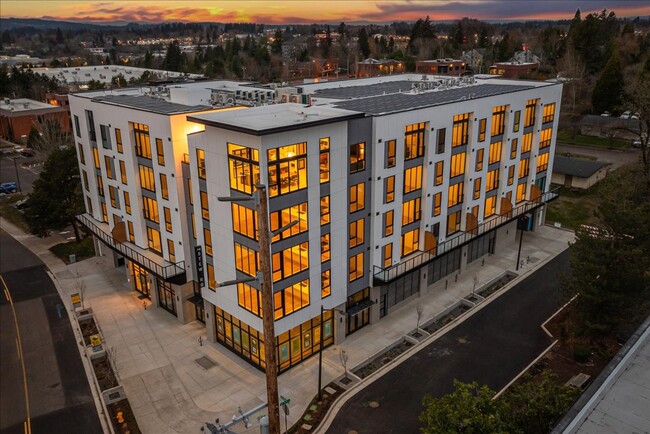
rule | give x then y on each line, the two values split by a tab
316	410
121	411
104	374
88	328
382	359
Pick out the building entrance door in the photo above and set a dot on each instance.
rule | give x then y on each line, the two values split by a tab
166	296
141	280
355	322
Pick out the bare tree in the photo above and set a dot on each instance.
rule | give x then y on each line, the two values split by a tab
51	135
573	72
419	310
112	357
81	288
343	357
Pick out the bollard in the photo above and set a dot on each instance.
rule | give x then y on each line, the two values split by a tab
264	425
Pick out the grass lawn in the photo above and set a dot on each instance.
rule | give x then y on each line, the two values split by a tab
575	207
10	213
564	137
82	250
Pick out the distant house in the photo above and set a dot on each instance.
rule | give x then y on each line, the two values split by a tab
374	67
610	126
441	66
513	69
18	116
577	173
473	59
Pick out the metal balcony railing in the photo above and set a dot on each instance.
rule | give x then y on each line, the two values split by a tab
160	267
384	275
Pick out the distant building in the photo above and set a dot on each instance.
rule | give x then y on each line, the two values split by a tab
577	173
441	67
23	59
473	59
612	127
18	116
374	67
513	69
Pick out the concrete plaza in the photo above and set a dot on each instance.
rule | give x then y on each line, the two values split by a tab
156	356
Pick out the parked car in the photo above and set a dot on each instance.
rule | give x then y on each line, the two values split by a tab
635	116
27	152
8	187
626	115
606	114
636	143
6	150
22	203
19	148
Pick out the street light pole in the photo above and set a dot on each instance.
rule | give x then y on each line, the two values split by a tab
320	356
267	306
17	176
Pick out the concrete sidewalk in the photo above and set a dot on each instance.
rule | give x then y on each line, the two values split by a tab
156	356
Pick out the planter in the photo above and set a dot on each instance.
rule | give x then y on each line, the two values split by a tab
114	394
122	417
383	358
104	373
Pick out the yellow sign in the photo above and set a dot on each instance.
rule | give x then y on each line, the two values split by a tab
95	340
76	299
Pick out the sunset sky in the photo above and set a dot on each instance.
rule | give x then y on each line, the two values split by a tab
310	11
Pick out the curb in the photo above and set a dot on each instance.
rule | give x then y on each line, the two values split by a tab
348	394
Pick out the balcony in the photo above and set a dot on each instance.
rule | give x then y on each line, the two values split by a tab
388	274
168	271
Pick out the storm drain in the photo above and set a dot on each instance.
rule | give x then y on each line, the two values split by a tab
205	362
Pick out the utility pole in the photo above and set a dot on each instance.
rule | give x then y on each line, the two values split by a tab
267	306
17	176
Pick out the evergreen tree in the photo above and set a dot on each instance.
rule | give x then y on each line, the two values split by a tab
364	44
174	60
608	92
276	46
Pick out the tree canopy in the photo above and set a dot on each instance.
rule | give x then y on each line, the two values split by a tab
608	92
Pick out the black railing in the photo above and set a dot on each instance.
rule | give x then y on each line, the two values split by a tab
163	271
384	275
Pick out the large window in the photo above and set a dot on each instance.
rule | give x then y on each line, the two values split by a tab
482	127
246	260
290	261
356	267
521	192
287	169
324	210
324	162
207	240
492	180
168	219
388	255
147	180
545	138
490	206
118	140
515	126
542	162
200	162
477	188
529	117
440	168
460	132
150	209
511	174
388	222
391	152
356	233
498	120
291	299
325	284
513	148
127	202
526	143
457	165
455	194
164	190
357	197
100	185
244	221
109	167
412	179
112	194
84	179
249	298
524	168
495	153
414	140
357	157
453	222
142	141
437	204
479	159
442	135
153	238
389	189
549	113
411	211
243	164
205	208
96	157
76	126
279	219
325	245
160	152
410	242
82	157
125	179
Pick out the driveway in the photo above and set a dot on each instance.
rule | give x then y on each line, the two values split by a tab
615	157
59	396
491	347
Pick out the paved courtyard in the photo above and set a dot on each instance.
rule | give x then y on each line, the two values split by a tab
156	356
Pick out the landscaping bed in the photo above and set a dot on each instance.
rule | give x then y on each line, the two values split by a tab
382	359
495	286
104	373
82	250
446	319
9	212
88	328
316	410
121	411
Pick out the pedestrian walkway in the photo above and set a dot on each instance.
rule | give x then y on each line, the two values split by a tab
156	357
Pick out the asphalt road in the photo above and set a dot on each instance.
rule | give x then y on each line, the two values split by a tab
616	158
59	396
491	347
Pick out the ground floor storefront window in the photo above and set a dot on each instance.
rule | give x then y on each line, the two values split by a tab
140	278
358	311
166	296
292	346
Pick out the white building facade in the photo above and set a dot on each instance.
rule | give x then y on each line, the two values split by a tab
397	184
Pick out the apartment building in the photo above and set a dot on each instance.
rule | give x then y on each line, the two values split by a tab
397	183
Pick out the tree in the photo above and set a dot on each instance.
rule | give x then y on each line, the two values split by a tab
608	92
537	405
276	45
148	59
469	409
49	135
56	198
96	85
174	60
364	43
119	81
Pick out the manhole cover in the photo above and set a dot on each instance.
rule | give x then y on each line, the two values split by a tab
205	362
373	404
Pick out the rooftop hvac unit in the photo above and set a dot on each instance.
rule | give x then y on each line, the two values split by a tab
285	98
294	98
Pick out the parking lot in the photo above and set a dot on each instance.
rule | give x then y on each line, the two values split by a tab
21	170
